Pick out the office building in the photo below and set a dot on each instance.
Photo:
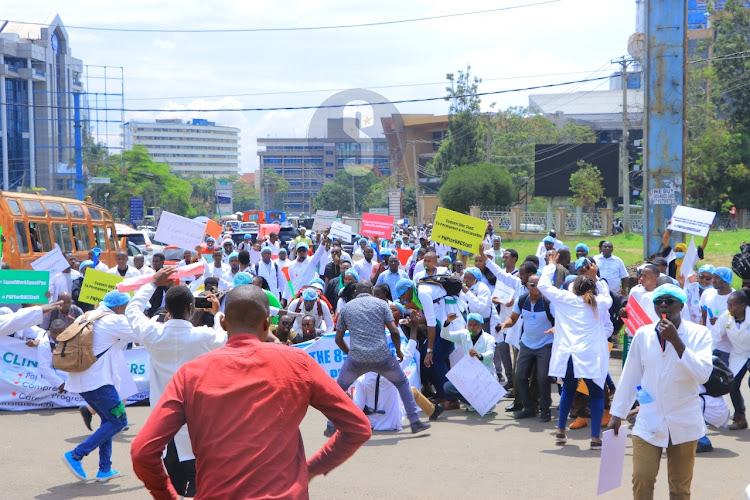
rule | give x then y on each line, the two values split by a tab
38	76
308	163
196	147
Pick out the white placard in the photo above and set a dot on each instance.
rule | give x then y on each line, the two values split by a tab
180	231
613	460
324	219
476	384
691	220
503	292
661	196
339	230
54	262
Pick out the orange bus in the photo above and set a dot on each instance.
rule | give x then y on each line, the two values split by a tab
34	224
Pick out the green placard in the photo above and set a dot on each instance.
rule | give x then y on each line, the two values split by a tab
24	287
96	284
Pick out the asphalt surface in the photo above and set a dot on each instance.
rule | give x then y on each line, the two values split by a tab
461	456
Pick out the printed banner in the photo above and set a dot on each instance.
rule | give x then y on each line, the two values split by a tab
637	317
22	386
691	220
339	230
458	230
54	262
24	287
324	219
96	284
377	225
179	231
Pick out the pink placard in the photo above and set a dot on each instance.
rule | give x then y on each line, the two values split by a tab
377	225
131	284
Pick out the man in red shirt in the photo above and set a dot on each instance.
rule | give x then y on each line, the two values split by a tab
244	428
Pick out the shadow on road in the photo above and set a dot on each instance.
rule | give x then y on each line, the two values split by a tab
392	440
82	490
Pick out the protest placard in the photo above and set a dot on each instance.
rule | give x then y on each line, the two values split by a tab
24	287
637	317
691	220
179	231
130	284
377	225
213	229
339	230
404	254
503	292
458	230
613	460
476	384
54	262
96	284
266	230
324	219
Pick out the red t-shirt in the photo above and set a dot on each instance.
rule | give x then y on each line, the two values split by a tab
243	404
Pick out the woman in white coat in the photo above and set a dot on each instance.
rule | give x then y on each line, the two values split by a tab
579	349
734	325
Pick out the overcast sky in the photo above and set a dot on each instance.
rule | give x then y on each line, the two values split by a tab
555	42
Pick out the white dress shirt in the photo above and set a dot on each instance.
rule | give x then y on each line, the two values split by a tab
726	331
418	275
62	282
130	273
146	270
579	331
510	335
215	272
672	381
613	270
364	268
170	345
302	273
111	334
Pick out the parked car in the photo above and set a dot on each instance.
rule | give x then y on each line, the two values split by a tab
133	250
287	233
173	255
239	236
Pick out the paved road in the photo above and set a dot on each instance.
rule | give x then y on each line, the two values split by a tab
463	455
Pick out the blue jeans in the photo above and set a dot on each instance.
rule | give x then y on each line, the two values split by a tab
106	402
596	395
389	369
450	390
436	373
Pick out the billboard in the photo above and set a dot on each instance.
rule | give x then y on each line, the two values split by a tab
554	163
224	198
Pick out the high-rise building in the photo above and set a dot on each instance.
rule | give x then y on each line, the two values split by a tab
308	163
196	147
38	76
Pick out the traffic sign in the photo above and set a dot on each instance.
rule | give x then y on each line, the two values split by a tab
136	209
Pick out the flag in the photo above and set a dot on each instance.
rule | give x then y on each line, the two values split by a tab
690	260
285	272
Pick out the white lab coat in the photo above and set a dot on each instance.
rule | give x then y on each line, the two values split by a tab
44	358
511	335
436	306
673	383
485	346
170	345
479	299
275	278
130	273
325	317
726	328
59	283
20	320
302	273
579	331
211	271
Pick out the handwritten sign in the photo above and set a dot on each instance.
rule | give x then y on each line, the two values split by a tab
339	230
377	225
54	262
96	284
691	220
503	292
612	461
476	384
179	231
637	317
135	283
324	219
458	230
24	287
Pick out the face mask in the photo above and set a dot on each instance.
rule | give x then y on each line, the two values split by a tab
679	255
704	287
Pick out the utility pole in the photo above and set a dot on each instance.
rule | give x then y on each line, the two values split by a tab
624	160
354	214
489	139
416	178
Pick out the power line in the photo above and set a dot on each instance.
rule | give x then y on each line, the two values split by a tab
301	28
330	106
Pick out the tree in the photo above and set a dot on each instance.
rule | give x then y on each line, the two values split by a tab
409	202
586	186
464	142
732	38
275	188
340	198
203	194
483	184
333	197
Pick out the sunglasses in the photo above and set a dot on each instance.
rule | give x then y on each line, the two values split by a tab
667	302
531	285
287	323
709	277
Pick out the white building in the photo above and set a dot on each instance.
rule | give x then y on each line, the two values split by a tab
197	147
38	77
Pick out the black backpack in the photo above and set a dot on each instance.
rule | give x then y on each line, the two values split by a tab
721	379
522	302
450	284
741	265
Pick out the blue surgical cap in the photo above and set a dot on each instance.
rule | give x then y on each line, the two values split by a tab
724	273
211	239
705	268
246	237
582	262
352	272
548	239
234	255
569	278
669	289
402	286
115	298
317	281
564	247
309	294
448	258
86	263
496	238
302	244
243	278
476	317
401	308
385	252
474	271
582	246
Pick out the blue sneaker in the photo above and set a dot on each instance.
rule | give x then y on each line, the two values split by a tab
74	465
704	445
106	476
